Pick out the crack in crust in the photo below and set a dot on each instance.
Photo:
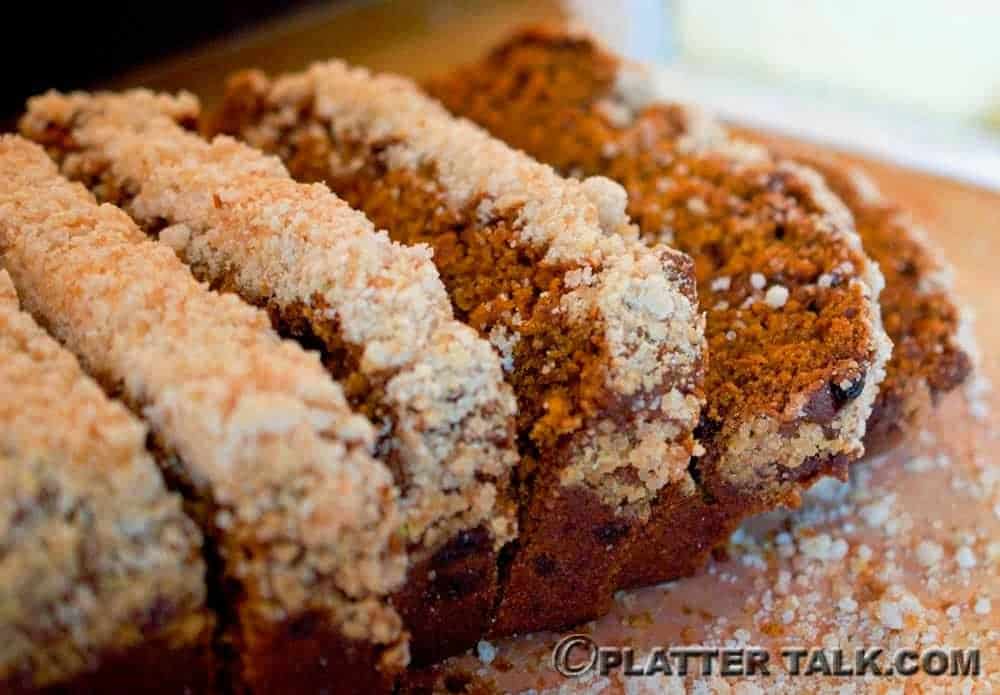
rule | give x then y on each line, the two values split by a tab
96	557
305	521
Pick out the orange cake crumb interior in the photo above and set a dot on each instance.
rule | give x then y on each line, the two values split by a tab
768	276
559	386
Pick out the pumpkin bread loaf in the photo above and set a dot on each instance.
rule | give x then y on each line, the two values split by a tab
797	348
103	577
919	310
431	386
301	523
601	337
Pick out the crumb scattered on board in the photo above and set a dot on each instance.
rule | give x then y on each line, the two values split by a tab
905	555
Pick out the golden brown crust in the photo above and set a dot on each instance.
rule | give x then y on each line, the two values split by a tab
273	460
796	343
600	336
96	557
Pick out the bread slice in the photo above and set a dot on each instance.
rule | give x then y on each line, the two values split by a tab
104	582
302	524
796	341
601	336
432	387
919	310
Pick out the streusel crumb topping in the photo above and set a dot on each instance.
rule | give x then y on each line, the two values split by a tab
241	222
304	512
795	337
919	308
95	554
563	265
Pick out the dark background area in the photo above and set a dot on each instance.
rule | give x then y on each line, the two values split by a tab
78	45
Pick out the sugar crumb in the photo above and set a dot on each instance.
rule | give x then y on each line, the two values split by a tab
965	558
721	284
929	553
777	296
486	652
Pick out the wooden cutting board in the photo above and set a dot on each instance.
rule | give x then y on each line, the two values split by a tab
907	554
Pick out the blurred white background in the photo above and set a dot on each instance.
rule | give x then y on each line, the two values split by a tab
913	81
